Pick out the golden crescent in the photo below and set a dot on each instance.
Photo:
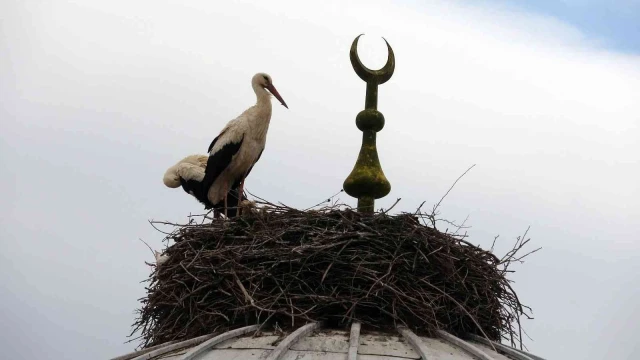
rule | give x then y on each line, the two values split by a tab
377	76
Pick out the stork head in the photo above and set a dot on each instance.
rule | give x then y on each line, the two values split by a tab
262	80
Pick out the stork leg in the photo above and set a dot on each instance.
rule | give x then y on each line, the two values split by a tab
240	191
225	205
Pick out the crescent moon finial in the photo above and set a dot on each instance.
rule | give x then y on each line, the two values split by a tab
377	76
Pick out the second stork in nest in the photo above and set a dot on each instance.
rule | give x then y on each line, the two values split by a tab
232	154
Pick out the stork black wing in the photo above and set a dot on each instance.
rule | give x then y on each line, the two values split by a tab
216	163
214	142
193	187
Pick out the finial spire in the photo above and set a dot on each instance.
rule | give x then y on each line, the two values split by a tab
367	181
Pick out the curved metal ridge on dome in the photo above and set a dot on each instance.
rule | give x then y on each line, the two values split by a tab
517	354
417	344
464	345
286	343
133	354
354	341
534	357
179	345
191	354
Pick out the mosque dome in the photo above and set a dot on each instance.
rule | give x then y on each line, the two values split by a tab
314	342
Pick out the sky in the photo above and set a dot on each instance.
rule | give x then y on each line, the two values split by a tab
615	23
98	99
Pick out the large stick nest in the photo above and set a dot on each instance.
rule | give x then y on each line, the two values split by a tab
286	266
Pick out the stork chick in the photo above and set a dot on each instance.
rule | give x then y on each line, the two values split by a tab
233	153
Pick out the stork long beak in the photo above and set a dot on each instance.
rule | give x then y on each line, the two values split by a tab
275	93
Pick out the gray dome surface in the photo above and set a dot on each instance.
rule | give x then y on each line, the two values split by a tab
312	342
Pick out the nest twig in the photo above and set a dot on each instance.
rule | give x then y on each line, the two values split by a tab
335	265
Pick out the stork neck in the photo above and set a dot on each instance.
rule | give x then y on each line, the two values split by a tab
263	97
260	123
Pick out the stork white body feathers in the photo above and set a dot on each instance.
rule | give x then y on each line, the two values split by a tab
232	154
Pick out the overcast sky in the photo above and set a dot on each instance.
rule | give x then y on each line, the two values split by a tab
99	98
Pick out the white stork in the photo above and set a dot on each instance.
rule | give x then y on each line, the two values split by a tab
189	172
232	154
